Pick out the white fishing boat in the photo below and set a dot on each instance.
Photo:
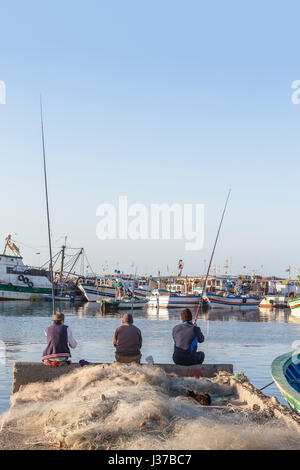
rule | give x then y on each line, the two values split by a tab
232	301
99	288
94	288
294	305
143	289
274	301
18	281
162	298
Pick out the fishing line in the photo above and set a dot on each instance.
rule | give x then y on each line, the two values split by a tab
211	258
47	207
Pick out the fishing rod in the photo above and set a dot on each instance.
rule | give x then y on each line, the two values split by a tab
211	258
47	207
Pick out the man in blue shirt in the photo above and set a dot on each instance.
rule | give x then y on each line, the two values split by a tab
186	338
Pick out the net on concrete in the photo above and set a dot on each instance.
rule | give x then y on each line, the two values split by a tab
122	406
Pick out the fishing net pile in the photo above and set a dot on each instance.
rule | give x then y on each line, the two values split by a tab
121	406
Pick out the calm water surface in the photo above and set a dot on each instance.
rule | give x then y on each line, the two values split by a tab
249	340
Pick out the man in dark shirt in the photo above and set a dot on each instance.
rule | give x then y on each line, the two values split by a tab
128	341
59	339
186	338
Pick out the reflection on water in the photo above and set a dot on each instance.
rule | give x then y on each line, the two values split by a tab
250	340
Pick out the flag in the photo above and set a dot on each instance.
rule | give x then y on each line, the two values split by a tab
244	267
38	253
287	270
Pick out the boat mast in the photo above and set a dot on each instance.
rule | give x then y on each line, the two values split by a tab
76	259
11	246
47	207
63	248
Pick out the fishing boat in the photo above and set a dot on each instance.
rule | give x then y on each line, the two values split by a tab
103	287
285	371
61	298
274	301
122	304
162	298
96	288
18	281
143	289
232	301
294	305
237	296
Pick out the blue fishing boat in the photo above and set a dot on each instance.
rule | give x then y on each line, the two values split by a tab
285	371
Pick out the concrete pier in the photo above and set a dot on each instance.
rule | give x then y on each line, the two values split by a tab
241	396
29	372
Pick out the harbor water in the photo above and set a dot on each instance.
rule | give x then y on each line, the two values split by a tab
249	340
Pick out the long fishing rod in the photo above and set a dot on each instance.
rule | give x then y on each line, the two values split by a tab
47	206
212	255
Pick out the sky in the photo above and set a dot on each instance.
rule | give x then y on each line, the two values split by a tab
161	101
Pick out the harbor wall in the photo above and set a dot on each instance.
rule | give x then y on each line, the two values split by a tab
29	372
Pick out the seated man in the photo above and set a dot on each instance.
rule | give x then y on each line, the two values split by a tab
186	338
59	339
127	341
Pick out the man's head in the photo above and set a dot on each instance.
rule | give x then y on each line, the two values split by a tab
58	318
127	318
186	315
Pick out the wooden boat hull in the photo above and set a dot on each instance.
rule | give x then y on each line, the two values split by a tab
109	304
286	374
94	293
232	302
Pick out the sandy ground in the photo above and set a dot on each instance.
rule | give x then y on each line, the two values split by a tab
12	440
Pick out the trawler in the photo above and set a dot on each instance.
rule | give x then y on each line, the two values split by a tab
104	287
18	281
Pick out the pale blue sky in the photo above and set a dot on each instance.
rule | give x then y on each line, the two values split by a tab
162	101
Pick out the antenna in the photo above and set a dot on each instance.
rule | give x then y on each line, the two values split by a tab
47	206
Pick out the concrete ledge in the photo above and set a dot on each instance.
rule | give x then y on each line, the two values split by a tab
29	372
256	399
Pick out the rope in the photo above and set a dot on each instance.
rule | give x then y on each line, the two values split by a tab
266	386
